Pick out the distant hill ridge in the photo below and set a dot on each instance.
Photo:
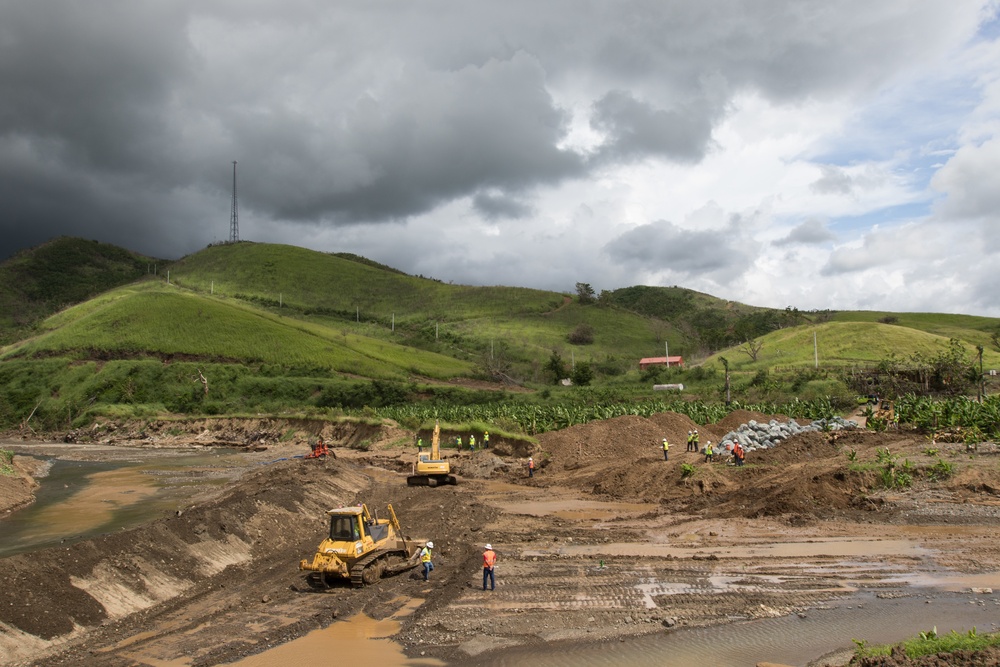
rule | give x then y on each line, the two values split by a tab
356	296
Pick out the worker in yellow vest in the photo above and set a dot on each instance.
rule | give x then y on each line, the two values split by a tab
666	449
425	558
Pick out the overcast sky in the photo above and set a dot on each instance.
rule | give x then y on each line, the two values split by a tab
816	154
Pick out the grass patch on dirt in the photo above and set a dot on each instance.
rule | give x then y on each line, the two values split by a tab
7	462
929	643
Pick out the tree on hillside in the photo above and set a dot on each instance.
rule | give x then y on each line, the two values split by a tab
751	348
585	293
582	374
583	334
995	339
557	367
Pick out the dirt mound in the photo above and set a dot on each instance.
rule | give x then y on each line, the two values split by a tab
807	446
807	474
626	439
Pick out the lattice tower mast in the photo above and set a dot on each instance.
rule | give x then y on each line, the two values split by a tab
234	219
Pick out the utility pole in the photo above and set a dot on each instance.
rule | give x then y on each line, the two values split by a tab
981	388
234	219
725	364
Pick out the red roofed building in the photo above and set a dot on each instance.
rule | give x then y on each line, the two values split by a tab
660	361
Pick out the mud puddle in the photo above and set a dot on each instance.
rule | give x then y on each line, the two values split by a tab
358	640
791	640
78	499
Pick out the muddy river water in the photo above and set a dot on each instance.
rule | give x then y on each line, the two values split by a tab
82	494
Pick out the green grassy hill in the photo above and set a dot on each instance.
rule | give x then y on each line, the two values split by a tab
37	282
843	344
463	321
276	328
156	320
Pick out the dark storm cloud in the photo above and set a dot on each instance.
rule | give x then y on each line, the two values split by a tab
663	246
119	120
810	232
634	129
433	138
497	206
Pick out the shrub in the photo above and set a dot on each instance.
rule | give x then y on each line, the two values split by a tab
687	470
583	334
941	470
6	462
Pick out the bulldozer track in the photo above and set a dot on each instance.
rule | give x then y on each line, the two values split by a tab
370	569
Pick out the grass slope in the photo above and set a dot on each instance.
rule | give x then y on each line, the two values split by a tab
862	343
152	318
37	282
464	321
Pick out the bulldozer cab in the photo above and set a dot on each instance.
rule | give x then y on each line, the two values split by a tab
345	528
351	524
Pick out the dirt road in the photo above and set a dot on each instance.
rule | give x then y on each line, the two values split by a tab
606	541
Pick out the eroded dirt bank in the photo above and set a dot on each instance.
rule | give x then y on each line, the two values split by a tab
606	541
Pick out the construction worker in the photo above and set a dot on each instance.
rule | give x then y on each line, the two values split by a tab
425	558
420	445
690	440
458	441
489	561
738	453
708	452
531	467
666	448
695	444
472	442
486	439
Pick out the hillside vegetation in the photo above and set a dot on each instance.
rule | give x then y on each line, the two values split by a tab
262	328
38	282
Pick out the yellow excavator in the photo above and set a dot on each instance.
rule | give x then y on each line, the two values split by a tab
431	469
362	548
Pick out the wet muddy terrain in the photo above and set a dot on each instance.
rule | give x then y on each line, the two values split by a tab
182	548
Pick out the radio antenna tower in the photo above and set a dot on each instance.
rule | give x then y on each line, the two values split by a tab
234	219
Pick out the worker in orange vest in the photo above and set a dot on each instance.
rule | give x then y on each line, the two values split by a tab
531	467
489	561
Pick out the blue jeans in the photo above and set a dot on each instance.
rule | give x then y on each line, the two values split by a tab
488	574
428	566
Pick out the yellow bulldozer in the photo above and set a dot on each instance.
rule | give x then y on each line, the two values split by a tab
362	548
431	469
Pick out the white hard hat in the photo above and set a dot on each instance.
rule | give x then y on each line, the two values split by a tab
488	546
530	459
430	545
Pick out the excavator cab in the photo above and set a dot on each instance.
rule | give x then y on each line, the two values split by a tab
430	469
